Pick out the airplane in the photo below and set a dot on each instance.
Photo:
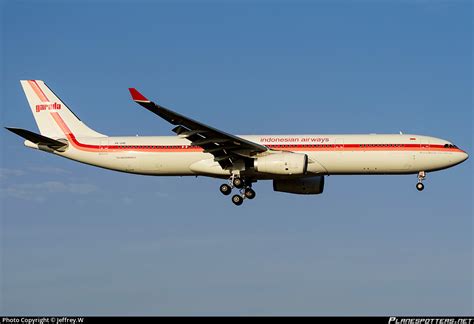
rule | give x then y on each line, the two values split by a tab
296	164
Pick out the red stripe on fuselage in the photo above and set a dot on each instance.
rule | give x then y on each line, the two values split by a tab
299	147
364	147
70	136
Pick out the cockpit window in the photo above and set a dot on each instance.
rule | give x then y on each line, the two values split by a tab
450	146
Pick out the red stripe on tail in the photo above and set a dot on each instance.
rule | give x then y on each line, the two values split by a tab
38	90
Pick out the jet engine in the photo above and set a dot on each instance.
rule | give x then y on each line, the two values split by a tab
303	186
285	163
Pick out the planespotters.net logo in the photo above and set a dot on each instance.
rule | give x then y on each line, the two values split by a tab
43	320
432	320
48	106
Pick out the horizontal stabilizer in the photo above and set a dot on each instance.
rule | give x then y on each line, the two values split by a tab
38	139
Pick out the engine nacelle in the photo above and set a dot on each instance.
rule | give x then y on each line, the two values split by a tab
303	186
282	163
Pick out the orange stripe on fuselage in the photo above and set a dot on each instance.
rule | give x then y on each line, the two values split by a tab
358	148
294	148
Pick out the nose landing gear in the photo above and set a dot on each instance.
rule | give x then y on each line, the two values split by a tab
421	177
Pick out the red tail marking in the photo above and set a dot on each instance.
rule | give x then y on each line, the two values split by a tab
38	90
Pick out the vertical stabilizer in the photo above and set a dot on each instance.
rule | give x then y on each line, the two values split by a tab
48	109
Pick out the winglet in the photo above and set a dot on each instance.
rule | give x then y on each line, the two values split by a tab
137	96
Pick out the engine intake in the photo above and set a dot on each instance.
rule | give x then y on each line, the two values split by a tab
282	163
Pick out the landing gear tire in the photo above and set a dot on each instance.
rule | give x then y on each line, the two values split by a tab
238	182
225	189
249	193
237	200
421	177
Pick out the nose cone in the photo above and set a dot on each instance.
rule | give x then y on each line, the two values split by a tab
461	157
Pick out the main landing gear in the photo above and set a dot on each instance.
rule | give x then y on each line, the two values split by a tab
421	177
245	189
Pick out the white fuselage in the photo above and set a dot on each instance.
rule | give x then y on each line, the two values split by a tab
328	154
297	164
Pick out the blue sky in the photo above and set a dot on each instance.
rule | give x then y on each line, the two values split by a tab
82	240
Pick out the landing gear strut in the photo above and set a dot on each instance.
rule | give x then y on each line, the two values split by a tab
244	186
421	177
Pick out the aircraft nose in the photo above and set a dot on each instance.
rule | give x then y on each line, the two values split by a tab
461	157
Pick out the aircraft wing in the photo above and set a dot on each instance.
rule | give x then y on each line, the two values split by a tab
226	148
